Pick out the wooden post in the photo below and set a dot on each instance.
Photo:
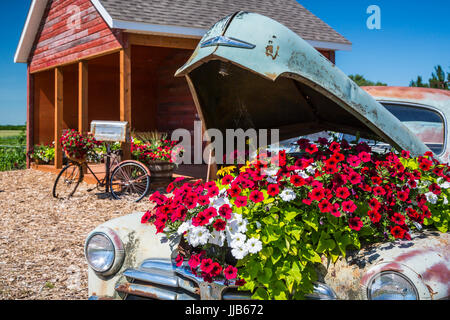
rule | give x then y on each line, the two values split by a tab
59	109
125	94
83	108
30	115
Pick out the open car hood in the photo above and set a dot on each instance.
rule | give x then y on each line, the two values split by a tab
250	71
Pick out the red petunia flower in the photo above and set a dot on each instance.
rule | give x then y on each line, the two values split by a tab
374	216
335	210
241	201
206	265
435	188
240	282
195	261
226	180
219	225
213	191
335	147
273	190
203	200
297	181
179	260
325	206
216	269
364	156
349	206
398	218
311	149
342	192
355	223
354	178
230	273
398	232
146	217
317	194
234	191
225	211
403	195
256	196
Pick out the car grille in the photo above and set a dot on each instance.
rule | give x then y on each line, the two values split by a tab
158	279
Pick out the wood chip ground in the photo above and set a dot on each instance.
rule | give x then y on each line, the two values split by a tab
42	238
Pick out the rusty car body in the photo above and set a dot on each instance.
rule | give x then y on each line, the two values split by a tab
252	72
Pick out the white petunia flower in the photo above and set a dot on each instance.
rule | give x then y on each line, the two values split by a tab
198	236
271	179
311	169
288	195
238	240
217	202
242	225
302	174
217	238
431	197
445	200
254	245
185	226
240	252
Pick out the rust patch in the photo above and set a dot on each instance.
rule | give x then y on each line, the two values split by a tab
270	50
432	293
271	75
407	92
125	288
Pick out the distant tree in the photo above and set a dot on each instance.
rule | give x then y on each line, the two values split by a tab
438	80
362	82
418	83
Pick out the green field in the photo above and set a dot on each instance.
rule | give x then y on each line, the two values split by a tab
12	149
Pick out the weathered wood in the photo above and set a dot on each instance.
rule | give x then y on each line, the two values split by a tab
30	115
70	31
125	94
83	107
59	110
163	41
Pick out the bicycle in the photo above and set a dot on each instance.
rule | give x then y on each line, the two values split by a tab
129	179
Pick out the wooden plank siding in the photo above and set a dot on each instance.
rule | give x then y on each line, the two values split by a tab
70	31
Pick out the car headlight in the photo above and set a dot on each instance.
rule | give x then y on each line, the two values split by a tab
390	285
104	252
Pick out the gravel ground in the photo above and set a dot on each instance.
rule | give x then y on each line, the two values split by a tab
42	238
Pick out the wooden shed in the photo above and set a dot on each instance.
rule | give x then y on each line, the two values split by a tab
115	59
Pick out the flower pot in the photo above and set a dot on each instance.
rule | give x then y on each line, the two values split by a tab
161	171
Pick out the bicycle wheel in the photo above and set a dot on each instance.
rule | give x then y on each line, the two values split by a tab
67	181
130	181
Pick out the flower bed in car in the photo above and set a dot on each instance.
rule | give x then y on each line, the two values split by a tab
264	227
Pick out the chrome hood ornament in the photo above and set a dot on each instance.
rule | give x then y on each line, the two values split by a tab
226	42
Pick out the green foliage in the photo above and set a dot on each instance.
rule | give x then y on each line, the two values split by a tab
439	80
362	82
44	153
12	148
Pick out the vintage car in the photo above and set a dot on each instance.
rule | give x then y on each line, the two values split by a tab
243	75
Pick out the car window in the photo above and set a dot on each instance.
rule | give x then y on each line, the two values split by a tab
427	124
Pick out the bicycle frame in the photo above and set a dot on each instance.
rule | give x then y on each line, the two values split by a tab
105	182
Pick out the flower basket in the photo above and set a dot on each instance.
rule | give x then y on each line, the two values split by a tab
161	171
76	159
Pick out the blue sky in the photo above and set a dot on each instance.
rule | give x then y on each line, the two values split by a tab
414	37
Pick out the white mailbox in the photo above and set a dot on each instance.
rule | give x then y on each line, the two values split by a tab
111	131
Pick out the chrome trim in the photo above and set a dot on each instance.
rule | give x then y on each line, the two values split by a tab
162	280
322	292
226	42
152	292
119	251
423	106
379	274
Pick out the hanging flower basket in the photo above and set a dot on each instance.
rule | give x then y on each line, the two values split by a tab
77	146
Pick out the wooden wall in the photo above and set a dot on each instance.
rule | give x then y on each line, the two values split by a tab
176	108
70	30
44	107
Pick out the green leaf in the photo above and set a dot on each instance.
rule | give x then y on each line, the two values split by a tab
265	276
312	221
276	256
325	243
260	294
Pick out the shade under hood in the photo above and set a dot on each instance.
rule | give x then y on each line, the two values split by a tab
250	71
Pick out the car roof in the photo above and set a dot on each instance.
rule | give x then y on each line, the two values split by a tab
436	98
